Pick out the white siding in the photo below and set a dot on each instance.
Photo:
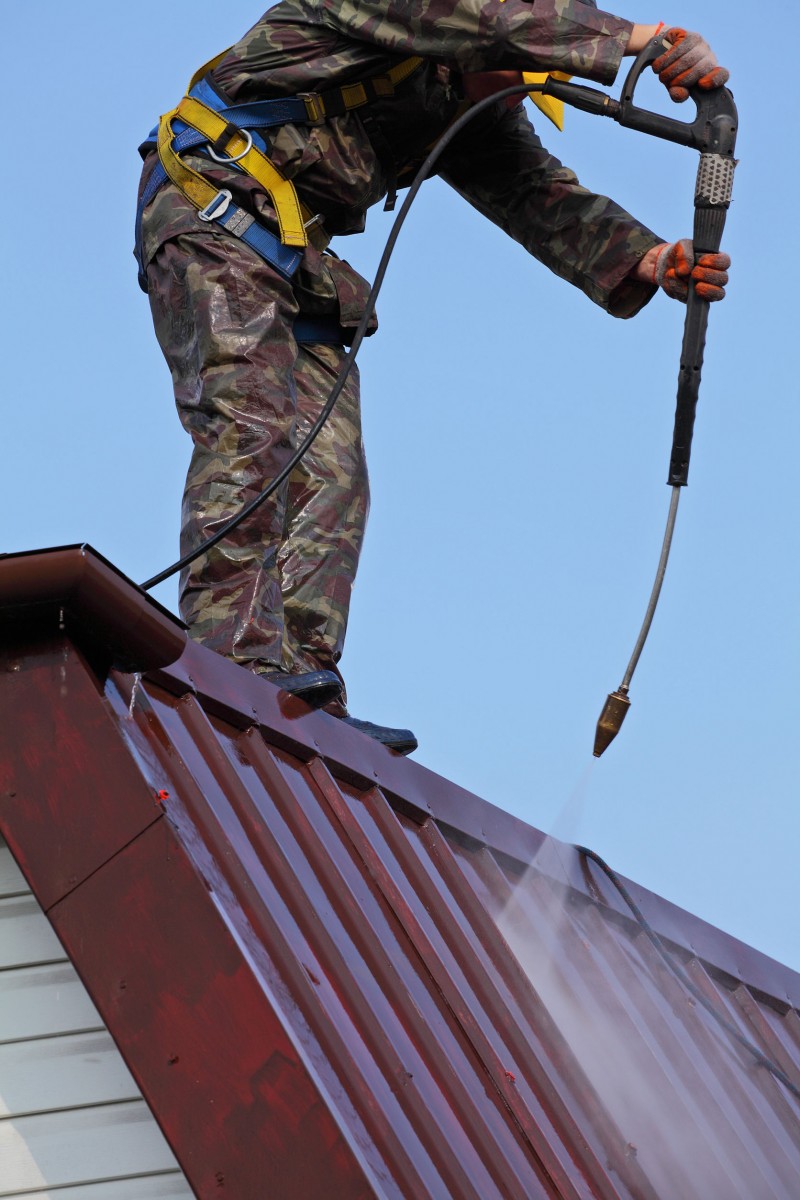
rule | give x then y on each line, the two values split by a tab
28	936
68	1071
154	1187
68	1147
71	1117
12	881
43	1001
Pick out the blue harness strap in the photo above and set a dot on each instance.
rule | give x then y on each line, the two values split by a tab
285	259
307	330
261	114
311	108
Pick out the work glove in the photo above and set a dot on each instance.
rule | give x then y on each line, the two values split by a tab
676	267
690	62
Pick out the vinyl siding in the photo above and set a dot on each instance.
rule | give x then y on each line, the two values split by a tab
73	1125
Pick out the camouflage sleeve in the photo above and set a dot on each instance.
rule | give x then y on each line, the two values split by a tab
505	172
482	35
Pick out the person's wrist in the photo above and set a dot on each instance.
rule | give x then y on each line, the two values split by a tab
646	269
641	35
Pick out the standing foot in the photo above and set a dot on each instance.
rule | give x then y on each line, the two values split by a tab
317	688
401	740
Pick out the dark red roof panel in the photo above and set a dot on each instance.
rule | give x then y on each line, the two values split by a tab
335	973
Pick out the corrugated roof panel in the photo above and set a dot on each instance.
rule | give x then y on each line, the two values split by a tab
414	1009
359	978
663	1068
606	1080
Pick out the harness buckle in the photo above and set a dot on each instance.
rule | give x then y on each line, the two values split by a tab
216	207
315	108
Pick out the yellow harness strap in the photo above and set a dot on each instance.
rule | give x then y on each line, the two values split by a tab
549	105
402	71
321	105
238	146
209	66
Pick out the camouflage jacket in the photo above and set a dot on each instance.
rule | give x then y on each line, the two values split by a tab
498	164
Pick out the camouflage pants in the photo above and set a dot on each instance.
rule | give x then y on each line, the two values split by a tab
275	592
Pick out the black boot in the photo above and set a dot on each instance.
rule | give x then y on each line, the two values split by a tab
317	688
401	740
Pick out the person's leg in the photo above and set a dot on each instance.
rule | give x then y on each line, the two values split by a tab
224	321
275	593
326	515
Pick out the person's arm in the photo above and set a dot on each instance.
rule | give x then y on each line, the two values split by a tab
484	35
686	61
500	35
502	169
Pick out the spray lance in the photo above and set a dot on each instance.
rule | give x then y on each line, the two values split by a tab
713	133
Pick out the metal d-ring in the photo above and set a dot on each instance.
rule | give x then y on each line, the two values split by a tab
227	158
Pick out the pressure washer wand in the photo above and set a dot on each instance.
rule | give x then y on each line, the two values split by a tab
707	237
713	133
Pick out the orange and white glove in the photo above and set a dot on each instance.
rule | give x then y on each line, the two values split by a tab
691	62
676	267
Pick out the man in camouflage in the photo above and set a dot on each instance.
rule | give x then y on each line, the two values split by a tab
274	594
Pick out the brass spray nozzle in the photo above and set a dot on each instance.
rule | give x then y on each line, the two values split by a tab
614	713
616	706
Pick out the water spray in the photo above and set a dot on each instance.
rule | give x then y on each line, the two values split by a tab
684	979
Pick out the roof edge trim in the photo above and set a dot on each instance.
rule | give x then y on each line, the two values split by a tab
103	606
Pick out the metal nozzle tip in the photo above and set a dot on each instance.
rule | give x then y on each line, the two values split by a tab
614	712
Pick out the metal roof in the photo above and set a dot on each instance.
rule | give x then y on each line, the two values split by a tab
334	973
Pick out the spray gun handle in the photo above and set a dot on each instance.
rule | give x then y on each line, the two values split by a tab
712	131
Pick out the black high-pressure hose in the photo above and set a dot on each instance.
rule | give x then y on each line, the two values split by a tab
596	102
422	174
713	134
761	1058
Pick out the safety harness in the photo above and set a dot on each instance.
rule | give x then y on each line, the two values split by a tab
231	134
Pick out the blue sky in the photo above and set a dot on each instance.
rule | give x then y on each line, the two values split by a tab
518	441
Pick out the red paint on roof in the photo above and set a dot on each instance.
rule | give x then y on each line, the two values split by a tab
332	972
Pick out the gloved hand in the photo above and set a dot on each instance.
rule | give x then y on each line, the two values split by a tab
690	61
676	266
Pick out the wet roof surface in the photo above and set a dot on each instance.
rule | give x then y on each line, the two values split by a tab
345	971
